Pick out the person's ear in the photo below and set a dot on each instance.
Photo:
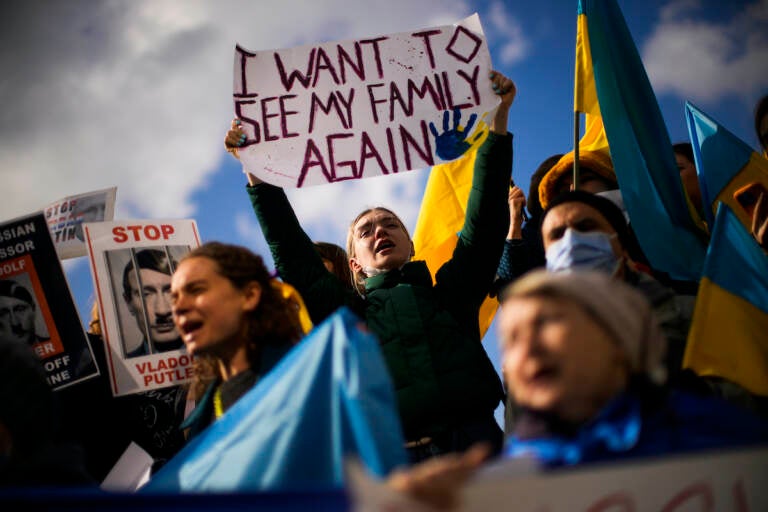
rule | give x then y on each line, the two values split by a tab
355	266
252	296
413	251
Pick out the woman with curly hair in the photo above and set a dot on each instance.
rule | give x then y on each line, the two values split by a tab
233	320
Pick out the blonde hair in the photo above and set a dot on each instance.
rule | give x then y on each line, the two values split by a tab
358	278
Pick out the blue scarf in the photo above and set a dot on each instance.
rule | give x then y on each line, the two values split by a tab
615	429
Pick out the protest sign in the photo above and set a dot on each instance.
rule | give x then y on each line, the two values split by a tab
731	480
144	351
66	217
353	109
36	305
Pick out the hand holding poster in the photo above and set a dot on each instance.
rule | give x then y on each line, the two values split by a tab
66	217
36	305
132	263
354	109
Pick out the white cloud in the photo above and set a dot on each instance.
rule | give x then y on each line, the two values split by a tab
704	60
138	94
502	26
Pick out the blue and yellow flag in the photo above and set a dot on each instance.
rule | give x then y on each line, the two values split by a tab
728	336
441	218
664	221
330	397
585	92
729	170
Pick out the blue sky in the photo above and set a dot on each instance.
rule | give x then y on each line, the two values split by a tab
138	95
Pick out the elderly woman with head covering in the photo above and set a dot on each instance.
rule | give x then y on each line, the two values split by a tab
583	356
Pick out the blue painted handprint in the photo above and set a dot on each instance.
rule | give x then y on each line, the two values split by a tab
454	142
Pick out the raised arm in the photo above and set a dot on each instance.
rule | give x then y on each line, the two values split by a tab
293	252
466	279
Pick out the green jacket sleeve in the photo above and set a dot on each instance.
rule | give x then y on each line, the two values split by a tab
296	259
465	280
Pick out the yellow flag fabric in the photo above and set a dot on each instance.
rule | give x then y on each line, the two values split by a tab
441	218
755	172
585	92
442	211
722	339
291	294
728	330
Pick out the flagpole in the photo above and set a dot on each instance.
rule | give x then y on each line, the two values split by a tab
576	120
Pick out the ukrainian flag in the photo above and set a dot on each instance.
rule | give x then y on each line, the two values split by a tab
728	332
611	82
729	170
585	92
330	397
441	218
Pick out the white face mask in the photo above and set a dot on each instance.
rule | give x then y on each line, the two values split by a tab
583	251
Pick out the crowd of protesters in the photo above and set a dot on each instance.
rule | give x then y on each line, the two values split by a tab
592	337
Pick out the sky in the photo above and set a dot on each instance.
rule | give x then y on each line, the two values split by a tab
138	94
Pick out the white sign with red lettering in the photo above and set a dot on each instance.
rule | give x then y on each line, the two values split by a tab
132	263
372	106
733	481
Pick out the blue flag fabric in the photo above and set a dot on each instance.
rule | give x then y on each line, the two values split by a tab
640	147
735	262
724	163
727	337
331	396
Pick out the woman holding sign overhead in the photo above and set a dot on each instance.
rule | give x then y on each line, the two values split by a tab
446	386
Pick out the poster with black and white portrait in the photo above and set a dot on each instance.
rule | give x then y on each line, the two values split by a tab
132	263
36	304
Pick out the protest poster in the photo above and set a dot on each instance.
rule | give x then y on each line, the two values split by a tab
144	350
36	304
732	480
353	109
66	218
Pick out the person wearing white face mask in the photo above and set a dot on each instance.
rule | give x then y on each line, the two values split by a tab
591	250
583	231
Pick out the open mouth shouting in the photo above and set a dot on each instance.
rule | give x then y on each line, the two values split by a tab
189	330
384	246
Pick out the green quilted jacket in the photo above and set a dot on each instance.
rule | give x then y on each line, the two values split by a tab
429	334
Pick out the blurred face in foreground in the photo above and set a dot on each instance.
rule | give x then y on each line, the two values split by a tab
209	311
557	359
